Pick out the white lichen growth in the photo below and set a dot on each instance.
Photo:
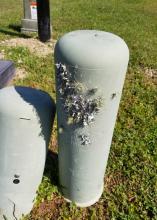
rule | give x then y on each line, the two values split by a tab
77	100
85	139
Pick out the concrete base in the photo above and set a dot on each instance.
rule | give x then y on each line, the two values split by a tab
29	25
89	203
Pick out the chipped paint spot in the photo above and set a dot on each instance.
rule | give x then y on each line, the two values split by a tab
113	95
92	91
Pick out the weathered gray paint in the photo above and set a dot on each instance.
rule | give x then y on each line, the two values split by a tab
97	61
26	118
28	24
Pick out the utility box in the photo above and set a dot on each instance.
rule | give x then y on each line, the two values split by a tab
90	72
26	118
29	23
7	71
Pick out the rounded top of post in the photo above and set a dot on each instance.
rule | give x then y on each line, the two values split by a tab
90	49
24	102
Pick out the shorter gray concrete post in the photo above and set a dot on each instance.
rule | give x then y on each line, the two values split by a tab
26	119
90	72
29	22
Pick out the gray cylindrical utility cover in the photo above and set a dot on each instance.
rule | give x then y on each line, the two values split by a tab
90	72
26	118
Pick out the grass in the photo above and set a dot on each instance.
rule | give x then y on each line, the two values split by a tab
130	191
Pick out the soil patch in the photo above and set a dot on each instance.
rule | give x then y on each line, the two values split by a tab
151	74
47	210
20	73
34	45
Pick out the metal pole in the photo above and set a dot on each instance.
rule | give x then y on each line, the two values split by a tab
43	11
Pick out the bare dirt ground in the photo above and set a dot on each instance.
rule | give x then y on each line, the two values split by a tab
151	74
34	45
20	73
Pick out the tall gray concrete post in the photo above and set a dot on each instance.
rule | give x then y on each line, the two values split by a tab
29	22
90	72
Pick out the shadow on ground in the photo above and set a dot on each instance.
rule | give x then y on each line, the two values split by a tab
51	167
14	31
15	27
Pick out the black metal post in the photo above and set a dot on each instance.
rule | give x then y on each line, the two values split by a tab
43	12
